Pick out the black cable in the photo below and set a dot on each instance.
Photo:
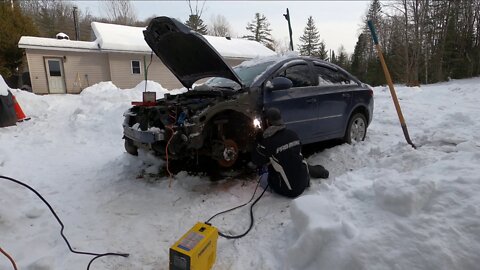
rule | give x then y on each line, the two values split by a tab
236	207
98	255
251	214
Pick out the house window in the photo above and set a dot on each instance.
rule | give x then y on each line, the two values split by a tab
136	67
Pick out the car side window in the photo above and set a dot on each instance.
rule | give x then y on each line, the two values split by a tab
298	74
327	76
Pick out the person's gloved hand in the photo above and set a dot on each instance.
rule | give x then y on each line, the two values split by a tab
318	171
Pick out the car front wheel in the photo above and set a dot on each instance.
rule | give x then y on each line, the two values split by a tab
357	128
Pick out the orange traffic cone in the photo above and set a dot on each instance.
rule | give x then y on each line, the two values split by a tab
18	110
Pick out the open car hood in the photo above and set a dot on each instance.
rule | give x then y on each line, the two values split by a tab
185	52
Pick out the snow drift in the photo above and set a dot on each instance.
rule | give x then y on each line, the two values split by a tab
385	205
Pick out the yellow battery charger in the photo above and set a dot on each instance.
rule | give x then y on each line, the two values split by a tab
196	249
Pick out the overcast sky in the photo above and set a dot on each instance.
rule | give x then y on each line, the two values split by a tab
338	22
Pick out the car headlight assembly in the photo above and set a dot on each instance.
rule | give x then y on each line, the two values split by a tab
257	124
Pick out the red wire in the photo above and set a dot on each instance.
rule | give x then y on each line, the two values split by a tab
168	143
9	257
166	151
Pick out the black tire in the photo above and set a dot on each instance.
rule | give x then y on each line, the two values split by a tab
130	147
356	129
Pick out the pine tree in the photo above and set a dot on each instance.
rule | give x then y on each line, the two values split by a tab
322	52
260	29
364	58
197	24
359	64
342	58
310	40
13	25
333	58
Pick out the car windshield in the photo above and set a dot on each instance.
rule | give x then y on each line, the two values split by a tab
247	75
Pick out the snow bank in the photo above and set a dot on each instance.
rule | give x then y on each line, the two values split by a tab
385	205
3	87
389	206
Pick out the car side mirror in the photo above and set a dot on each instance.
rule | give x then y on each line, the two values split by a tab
279	83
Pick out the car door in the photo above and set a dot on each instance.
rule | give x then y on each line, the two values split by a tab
298	104
335	91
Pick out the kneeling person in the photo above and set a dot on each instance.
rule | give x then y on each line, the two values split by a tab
280	148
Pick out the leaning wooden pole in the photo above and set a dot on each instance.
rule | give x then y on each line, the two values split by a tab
390	85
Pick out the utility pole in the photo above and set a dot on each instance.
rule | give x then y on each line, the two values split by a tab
287	17
75	22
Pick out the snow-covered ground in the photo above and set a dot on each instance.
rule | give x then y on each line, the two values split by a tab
385	205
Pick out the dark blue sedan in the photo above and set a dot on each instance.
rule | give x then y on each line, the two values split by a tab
219	118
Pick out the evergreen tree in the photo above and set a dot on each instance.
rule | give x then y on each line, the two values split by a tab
197	24
13	25
342	58
322	52
333	58
359	65
310	40
364	63
260	30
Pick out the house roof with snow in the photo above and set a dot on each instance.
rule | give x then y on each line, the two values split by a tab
121	38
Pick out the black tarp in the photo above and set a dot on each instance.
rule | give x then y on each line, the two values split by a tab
7	111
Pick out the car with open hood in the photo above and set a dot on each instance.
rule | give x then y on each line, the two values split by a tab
218	119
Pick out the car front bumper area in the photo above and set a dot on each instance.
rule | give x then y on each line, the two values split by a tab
141	136
145	137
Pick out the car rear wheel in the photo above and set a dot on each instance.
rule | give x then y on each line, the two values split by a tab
130	147
357	128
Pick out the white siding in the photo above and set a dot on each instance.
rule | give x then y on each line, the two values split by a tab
81	69
122	77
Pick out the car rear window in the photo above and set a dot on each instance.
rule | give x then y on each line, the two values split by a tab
327	76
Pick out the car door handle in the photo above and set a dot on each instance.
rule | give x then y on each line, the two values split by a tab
311	100
346	95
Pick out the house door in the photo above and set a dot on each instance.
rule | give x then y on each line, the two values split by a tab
55	75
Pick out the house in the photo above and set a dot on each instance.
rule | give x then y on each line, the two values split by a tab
119	54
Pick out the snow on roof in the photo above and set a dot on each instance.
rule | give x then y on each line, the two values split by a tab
55	44
3	87
129	38
236	47
114	37
120	37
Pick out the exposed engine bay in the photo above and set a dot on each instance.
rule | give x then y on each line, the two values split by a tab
213	123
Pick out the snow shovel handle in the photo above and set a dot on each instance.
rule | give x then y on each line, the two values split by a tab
374	33
390	84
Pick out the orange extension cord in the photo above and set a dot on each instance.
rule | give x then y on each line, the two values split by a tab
9	257
174	117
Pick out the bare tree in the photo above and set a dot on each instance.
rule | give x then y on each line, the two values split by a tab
120	11
281	46
220	26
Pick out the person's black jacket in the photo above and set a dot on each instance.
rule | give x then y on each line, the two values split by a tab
287	170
